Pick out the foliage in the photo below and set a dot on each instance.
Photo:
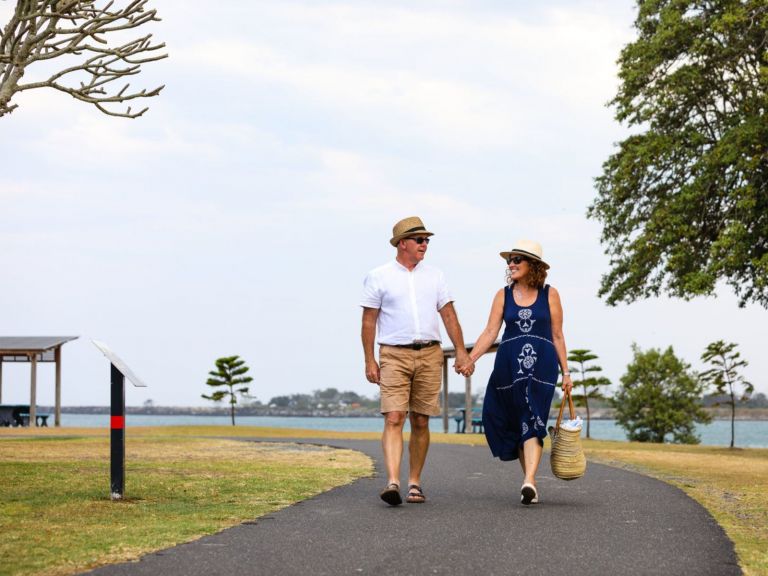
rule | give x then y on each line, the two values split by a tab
328	398
684	200
590	385
724	375
74	37
229	372
337	400
659	398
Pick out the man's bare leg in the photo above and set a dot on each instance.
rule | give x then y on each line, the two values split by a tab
392	445
418	446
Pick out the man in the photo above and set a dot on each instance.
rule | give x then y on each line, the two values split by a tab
404	299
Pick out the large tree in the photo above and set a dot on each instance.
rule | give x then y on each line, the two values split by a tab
726	362
684	201
80	47
659	399
588	379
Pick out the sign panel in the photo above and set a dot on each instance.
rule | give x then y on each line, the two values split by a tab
119	364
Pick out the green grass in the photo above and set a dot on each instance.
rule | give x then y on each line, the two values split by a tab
57	516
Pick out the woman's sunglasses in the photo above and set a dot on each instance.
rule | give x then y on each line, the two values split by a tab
516	259
419	240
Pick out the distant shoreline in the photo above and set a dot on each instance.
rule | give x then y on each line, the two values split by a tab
596	413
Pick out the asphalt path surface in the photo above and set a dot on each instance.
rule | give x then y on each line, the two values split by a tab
611	522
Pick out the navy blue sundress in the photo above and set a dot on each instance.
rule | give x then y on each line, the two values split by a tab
524	377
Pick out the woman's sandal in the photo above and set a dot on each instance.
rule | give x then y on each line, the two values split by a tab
529	494
415	495
391	495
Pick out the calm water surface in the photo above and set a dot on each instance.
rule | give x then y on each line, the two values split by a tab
749	433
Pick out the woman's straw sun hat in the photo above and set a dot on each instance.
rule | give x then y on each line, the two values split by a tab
408	227
527	248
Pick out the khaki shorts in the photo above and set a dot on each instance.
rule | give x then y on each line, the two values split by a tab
410	379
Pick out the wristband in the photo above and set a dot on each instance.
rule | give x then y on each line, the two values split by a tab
566	373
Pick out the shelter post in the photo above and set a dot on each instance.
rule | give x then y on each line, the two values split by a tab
468	405
57	410
33	392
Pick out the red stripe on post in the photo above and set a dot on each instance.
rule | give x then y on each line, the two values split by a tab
118	422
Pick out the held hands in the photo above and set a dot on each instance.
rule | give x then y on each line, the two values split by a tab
464	365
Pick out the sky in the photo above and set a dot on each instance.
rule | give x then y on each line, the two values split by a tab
241	213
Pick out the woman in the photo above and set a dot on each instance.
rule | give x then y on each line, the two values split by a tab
525	374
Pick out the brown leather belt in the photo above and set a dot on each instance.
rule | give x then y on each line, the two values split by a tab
417	345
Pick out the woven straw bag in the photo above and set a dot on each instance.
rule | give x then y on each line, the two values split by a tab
567	455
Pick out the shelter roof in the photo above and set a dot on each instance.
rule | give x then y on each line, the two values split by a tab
450	351
19	348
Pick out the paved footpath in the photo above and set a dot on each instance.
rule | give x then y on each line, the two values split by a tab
611	522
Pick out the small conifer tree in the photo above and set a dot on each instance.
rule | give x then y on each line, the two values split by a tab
229	372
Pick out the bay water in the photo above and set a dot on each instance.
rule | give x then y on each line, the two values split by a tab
749	433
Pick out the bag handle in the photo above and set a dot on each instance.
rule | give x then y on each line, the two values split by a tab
566	394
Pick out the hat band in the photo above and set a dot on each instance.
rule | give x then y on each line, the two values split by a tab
526	252
414	230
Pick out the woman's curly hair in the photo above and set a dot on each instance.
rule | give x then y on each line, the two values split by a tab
536	276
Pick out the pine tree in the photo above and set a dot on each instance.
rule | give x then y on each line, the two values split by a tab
229	372
726	363
589	384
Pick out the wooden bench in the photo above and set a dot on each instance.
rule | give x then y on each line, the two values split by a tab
477	421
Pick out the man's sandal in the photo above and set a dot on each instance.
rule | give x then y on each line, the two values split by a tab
391	495
415	495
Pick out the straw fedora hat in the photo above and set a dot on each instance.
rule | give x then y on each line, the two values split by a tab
527	248
408	227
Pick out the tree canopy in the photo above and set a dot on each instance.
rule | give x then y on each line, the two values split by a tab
659	399
684	201
81	47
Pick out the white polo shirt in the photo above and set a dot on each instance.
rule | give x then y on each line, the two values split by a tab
408	301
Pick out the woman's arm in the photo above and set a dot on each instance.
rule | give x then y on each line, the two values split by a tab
488	335
556	313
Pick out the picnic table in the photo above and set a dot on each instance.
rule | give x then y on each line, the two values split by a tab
477	421
18	415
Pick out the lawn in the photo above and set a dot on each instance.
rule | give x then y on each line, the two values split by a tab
57	516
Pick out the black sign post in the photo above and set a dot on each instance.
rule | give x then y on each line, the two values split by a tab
117	435
119	372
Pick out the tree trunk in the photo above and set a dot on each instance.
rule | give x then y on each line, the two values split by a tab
733	418
586	403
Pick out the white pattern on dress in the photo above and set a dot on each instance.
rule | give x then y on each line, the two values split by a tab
525	323
525	336
526	359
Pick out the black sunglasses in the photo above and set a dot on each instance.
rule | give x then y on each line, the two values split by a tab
516	259
419	240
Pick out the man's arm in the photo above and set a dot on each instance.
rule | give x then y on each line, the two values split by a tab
370	316
452	326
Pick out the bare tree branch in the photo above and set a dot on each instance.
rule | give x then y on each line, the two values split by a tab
40	31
